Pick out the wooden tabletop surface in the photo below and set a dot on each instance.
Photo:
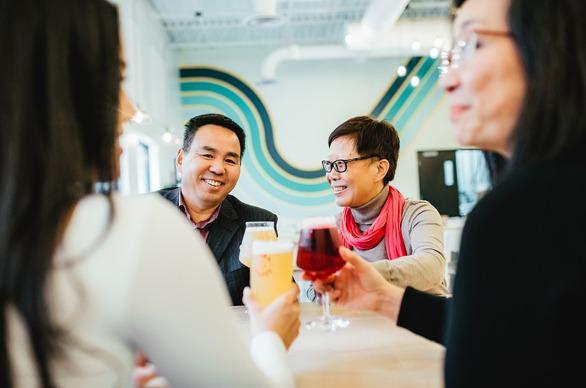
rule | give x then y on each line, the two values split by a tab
371	352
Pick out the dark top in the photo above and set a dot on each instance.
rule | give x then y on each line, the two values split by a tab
517	317
225	236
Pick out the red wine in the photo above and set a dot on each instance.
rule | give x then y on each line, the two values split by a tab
318	253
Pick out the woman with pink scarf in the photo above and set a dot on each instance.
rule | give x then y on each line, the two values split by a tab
402	237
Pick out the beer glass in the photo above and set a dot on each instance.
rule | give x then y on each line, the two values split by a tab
255	230
271	270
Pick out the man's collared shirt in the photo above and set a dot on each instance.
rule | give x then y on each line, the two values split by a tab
201	226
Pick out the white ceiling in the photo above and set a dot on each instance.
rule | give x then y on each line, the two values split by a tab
220	23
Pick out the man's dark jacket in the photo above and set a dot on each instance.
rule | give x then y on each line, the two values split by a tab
225	236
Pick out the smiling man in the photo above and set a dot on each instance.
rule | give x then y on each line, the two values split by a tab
209	162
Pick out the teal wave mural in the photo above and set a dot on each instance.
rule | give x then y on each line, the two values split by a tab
204	89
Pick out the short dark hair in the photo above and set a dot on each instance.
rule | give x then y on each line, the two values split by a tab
372	137
197	122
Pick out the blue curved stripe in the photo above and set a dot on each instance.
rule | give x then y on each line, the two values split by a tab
409	100
424	88
255	135
395	86
256	176
218	103
259	106
423	114
298	199
401	104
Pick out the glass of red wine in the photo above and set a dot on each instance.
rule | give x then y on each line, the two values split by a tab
317	255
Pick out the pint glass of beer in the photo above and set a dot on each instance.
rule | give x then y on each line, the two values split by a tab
255	230
271	270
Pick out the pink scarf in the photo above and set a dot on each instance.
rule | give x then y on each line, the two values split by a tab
387	225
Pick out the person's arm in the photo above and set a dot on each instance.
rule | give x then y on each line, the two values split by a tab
424	314
425	268
180	316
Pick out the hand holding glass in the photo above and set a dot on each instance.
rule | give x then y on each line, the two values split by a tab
317	255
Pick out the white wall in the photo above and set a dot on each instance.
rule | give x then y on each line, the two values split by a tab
309	100
312	97
152	84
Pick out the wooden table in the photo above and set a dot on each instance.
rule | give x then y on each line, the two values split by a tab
371	352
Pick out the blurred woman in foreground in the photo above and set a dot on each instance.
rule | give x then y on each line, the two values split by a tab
516	82
86	279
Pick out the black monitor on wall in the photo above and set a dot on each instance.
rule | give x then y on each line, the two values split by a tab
452	180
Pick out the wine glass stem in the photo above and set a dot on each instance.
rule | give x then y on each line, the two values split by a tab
326	307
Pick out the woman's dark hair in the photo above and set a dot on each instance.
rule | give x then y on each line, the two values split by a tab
550	37
496	165
372	138
197	122
58	111
551	40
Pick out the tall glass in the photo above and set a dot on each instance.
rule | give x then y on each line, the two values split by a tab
255	230
271	270
317	255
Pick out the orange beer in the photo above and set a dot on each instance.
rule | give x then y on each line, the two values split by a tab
271	272
255	230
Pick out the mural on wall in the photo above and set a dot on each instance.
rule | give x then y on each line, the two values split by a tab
273	181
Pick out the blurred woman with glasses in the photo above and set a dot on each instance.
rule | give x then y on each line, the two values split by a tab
86	279
401	237
516	85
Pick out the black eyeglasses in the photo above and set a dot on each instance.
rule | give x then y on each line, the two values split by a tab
341	165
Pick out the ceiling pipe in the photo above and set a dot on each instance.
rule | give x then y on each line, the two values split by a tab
397	41
304	53
381	15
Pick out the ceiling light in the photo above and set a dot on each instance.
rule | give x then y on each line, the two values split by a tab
402	71
348	39
140	117
415	81
167	136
